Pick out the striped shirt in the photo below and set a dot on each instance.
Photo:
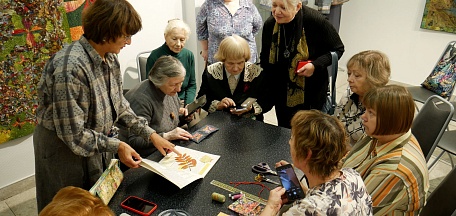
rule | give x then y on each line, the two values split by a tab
80	98
395	174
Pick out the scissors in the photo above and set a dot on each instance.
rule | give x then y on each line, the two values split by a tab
260	177
263	168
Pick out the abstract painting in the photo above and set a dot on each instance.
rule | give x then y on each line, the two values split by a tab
440	15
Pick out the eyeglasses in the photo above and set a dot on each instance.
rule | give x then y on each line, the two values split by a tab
127	38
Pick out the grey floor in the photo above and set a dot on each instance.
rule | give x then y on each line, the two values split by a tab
19	199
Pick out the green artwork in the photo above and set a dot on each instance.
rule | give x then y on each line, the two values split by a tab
30	32
440	15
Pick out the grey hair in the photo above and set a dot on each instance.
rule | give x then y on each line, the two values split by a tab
291	3
164	68
179	24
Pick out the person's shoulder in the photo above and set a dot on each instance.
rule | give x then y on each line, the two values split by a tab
140	91
312	17
251	71
187	52
216	70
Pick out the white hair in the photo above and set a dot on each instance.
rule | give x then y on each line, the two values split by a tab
179	24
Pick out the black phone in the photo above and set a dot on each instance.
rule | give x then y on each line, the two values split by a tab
195	105
290	182
138	205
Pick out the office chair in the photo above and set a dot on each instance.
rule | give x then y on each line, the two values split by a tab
141	65
430	123
420	93
331	103
442	201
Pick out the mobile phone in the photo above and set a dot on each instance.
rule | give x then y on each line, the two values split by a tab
138	205
301	64
290	182
248	102
195	105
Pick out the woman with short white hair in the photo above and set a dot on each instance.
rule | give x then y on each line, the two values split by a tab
176	35
156	100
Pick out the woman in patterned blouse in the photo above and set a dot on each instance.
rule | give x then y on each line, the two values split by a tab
388	157
366	70
317	145
218	19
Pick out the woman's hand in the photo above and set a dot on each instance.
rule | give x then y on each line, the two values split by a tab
275	201
126	154
177	133
307	70
281	163
204	54
162	144
183	111
225	103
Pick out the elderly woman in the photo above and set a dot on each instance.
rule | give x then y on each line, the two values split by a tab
176	34
232	80
317	145
292	34
218	19
388	157
80	99
156	100
366	70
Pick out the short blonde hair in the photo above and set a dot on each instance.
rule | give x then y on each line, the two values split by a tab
74	201
394	106
376	65
233	47
179	24
324	136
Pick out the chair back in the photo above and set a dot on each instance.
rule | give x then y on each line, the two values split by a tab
331	103
442	201
141	62
430	123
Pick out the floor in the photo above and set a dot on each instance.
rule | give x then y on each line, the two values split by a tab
19	199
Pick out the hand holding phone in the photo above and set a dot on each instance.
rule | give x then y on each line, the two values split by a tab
290	182
195	105
301	64
138	205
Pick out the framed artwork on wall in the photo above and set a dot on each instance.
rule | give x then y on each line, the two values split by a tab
31	32
439	15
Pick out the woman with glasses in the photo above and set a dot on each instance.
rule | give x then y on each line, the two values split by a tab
156	100
79	101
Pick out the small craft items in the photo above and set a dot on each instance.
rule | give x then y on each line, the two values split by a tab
203	132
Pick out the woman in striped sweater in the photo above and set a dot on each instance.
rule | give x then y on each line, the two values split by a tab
388	157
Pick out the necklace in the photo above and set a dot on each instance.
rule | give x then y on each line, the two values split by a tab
286	53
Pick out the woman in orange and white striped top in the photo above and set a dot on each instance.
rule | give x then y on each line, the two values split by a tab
388	157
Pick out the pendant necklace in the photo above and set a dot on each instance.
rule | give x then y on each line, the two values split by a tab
286	53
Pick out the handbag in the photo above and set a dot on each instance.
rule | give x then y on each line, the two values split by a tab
442	78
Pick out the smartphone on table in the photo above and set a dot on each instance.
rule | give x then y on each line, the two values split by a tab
138	205
195	105
302	63
290	182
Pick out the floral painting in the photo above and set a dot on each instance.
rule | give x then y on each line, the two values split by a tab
440	15
31	31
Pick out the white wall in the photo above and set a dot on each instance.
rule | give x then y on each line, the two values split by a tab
393	27
388	25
